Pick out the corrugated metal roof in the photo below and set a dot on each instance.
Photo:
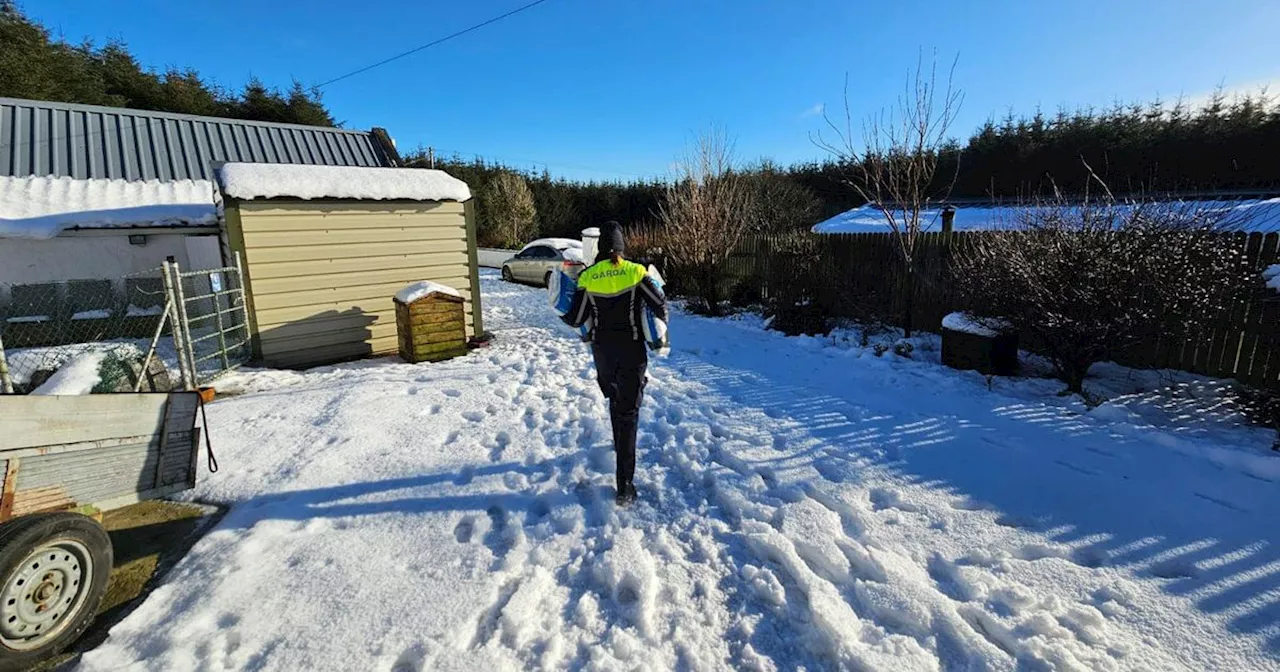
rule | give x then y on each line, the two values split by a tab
88	141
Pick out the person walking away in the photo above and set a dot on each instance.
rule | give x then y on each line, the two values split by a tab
614	292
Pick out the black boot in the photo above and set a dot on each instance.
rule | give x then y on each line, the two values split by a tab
626	495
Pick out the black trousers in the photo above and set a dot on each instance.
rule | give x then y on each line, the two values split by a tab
620	369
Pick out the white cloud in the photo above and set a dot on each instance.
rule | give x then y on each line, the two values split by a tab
816	111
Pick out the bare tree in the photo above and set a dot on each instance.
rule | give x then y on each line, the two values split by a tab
705	212
507	211
894	167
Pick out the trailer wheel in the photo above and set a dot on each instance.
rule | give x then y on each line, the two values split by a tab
53	574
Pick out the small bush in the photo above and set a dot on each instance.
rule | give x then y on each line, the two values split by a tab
802	318
903	349
1082	283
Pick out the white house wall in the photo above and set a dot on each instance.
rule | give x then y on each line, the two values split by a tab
98	256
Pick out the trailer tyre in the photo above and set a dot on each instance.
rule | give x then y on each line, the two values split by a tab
53	573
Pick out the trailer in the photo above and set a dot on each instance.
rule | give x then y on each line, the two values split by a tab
64	461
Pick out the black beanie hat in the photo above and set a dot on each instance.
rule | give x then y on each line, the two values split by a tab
611	239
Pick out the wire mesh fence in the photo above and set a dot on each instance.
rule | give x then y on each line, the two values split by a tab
156	330
59	336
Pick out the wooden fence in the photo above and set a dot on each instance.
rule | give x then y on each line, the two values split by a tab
863	268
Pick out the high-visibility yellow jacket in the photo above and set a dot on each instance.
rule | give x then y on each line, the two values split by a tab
614	296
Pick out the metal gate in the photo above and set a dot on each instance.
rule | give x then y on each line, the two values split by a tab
192	325
211	318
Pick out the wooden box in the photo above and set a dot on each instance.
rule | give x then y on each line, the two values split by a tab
431	328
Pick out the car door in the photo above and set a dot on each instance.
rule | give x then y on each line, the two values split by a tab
519	265
531	264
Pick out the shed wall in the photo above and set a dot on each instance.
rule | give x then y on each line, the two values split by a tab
322	274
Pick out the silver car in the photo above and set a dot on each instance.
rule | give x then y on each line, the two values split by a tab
535	263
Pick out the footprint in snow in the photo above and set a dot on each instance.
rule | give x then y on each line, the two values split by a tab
473	416
970	504
537	511
411	660
452	393
464	530
1175	569
885	498
1033	552
831	470
465	476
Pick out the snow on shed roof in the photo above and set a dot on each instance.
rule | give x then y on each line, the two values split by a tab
274	180
43	207
1252	215
423	288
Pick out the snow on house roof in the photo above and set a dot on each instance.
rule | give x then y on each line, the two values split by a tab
274	180
41	207
1253	215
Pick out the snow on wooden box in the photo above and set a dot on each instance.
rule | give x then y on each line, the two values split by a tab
430	323
988	346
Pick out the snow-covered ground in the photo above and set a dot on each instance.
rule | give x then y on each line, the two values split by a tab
804	505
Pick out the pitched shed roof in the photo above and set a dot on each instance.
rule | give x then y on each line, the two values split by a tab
89	141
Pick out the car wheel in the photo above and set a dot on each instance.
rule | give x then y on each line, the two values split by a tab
506	274
53	574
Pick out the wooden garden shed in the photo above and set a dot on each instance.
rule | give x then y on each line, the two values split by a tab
327	248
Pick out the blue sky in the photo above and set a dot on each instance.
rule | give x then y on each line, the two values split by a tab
614	88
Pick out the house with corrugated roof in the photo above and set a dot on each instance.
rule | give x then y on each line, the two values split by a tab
100	192
328	223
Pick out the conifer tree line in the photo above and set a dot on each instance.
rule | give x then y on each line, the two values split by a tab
35	65
1223	144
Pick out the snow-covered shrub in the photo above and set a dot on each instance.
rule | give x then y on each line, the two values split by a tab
1082	283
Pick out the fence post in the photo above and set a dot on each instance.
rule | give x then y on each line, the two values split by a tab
6	382
244	306
178	344
222	337
184	325
151	351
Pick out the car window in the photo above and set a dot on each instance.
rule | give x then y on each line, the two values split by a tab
540	252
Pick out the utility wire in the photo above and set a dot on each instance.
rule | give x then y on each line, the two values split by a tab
428	45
